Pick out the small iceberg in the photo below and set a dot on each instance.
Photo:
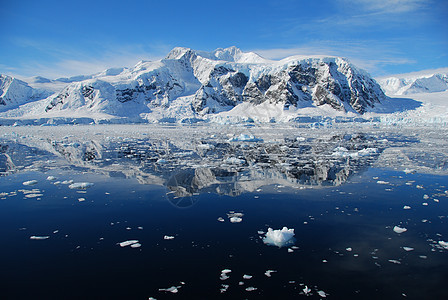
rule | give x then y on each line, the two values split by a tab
30	182
398	229
245	138
279	238
35	237
80	185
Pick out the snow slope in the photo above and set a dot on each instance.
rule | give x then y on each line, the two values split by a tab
431	81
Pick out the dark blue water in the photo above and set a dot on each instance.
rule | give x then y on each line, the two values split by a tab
81	258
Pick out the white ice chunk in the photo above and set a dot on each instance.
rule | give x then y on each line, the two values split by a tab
368	151
408	249
173	289
30	182
306	290
67	181
409	171
80	185
245	138
406	207
394	261
236	219
251	289
234	161
348	249
268	273
128	243
443	244
168	237
398	229
224	288
280	238
382	182
136	245
36	237
51	178
322	294
247	276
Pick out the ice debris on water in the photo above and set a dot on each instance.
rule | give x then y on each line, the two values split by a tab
245	138
280	238
128	243
382	182
406	207
443	244
306	290
408	249
398	229
30	182
322	294
168	237
173	289
224	273
245	276
251	289
36	237
268	273
51	178
224	288
235	217
80	185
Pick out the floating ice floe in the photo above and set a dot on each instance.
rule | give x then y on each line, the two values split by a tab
409	171
51	178
67	181
36	237
406	207
382	182
80	185
235	217
173	289
306	290
398	229
251	289
30	182
33	195
221	219
128	243
408	249
426	197
168	237
234	161
394	261
247	276
322	294
224	288
279	238
245	138
224	273
268	273
443	244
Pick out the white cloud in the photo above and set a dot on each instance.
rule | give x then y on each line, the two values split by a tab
63	61
389	6
368	55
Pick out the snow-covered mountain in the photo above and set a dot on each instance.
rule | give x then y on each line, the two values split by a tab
413	83
220	80
190	84
14	92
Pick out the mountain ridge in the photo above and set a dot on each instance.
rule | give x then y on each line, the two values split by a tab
195	84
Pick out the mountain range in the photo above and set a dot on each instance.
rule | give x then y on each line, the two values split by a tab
197	85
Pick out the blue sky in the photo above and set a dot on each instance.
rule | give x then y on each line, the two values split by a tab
63	38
